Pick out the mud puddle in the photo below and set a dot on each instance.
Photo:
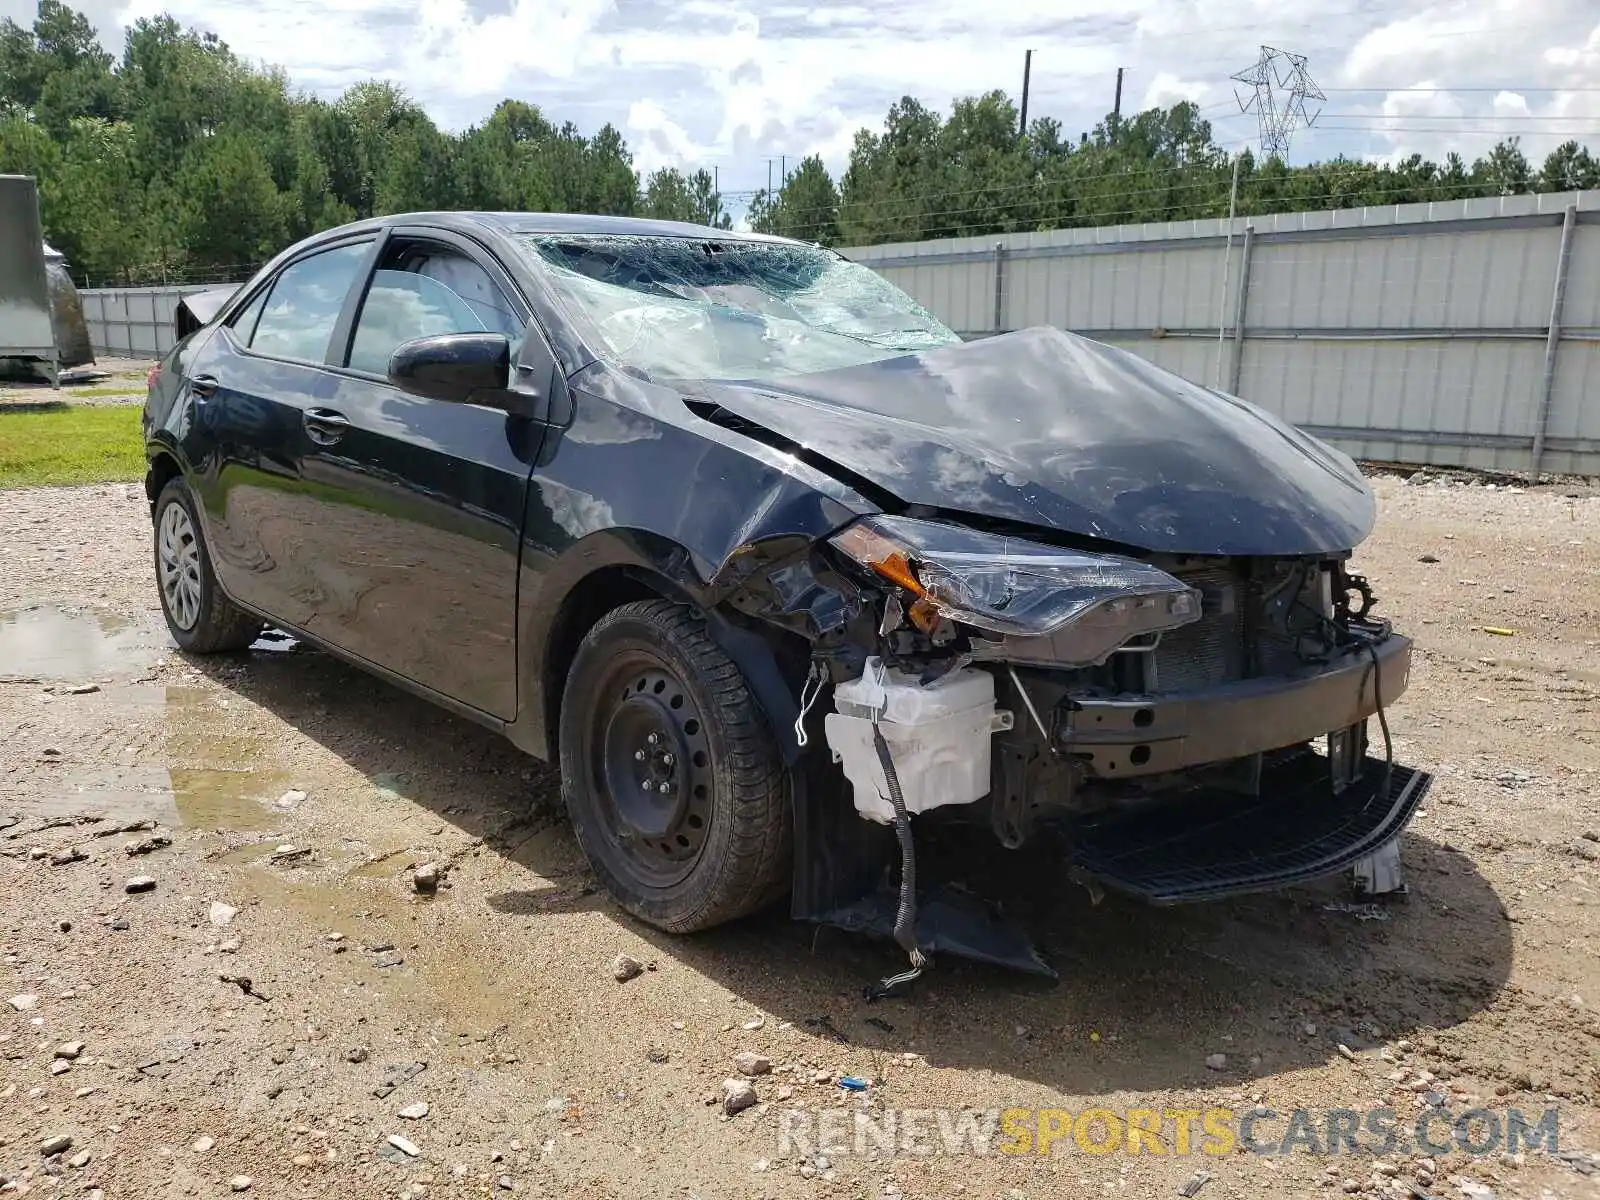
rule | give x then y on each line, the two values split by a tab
46	642
241	800
423	961
194	798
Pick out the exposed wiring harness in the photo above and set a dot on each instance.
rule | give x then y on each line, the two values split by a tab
905	923
1354	629
1371	640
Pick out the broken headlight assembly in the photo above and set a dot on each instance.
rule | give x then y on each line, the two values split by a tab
1088	605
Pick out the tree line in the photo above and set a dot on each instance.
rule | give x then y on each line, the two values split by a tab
179	160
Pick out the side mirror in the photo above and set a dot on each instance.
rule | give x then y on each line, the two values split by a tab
461	368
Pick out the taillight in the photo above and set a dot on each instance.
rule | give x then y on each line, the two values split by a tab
153	376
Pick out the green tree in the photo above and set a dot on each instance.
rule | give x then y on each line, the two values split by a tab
56	66
1569	168
1505	170
670	195
807	207
27	149
93	198
230	213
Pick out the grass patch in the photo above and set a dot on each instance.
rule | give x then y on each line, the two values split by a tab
133	388
70	445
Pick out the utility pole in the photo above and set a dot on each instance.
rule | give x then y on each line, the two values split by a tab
766	219
1027	74
1116	107
1227	266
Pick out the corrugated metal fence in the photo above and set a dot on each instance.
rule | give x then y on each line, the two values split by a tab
135	322
1464	333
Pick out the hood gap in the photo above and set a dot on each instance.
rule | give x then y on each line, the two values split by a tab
708	410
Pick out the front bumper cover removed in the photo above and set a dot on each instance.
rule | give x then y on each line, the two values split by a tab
1208	844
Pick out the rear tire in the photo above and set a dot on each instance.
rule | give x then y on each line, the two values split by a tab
200	618
675	786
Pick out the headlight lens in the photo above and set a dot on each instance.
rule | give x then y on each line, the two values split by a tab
1019	588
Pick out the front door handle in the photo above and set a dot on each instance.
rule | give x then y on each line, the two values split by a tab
324	426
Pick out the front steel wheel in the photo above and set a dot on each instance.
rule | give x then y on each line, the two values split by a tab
673	781
200	618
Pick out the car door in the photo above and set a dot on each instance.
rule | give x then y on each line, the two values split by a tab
251	385
421	501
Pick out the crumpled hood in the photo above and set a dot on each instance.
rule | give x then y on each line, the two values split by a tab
1051	429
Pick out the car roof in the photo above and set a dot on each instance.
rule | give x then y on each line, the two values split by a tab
577	224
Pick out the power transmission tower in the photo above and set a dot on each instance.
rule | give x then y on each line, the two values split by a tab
1282	92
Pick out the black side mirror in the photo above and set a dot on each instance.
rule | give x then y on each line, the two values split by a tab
462	368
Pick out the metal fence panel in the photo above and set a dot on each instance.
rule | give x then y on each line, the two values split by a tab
1581	307
135	322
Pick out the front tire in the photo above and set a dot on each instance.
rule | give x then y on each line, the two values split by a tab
200	618
674	783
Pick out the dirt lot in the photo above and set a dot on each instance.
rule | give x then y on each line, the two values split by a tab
298	796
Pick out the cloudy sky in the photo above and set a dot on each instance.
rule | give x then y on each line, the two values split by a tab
733	83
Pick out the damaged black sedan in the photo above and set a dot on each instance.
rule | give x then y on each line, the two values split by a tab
782	572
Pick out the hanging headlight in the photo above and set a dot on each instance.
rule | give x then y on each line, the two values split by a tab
1021	589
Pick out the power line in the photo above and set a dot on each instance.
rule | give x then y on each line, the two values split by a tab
1453	88
1321	21
1452	117
1145	172
1487	127
910	206
1069	209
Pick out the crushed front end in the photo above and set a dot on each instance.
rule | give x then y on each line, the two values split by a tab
1184	727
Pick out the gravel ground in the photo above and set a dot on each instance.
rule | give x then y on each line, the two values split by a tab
115	381
275	1012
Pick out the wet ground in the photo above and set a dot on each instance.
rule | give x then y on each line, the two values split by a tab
300	795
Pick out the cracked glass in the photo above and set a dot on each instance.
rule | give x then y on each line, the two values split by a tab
684	308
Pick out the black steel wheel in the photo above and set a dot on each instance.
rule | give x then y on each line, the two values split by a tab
673	781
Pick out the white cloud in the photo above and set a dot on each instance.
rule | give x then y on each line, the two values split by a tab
1530	68
1167	89
659	141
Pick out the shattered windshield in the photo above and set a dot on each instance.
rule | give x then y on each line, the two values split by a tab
682	308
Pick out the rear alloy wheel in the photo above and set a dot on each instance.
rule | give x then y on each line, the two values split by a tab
200	618
674	782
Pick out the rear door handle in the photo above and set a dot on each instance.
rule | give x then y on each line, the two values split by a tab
204	386
324	426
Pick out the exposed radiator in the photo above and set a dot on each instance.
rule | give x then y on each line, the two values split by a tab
1216	649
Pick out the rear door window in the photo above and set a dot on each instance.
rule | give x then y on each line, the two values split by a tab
303	306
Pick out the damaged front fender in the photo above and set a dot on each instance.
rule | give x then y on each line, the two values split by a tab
638	497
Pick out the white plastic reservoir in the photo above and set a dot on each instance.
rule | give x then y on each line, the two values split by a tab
938	735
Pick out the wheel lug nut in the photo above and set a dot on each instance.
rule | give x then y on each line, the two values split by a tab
666	787
648	786
654	739
666	760
638	756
